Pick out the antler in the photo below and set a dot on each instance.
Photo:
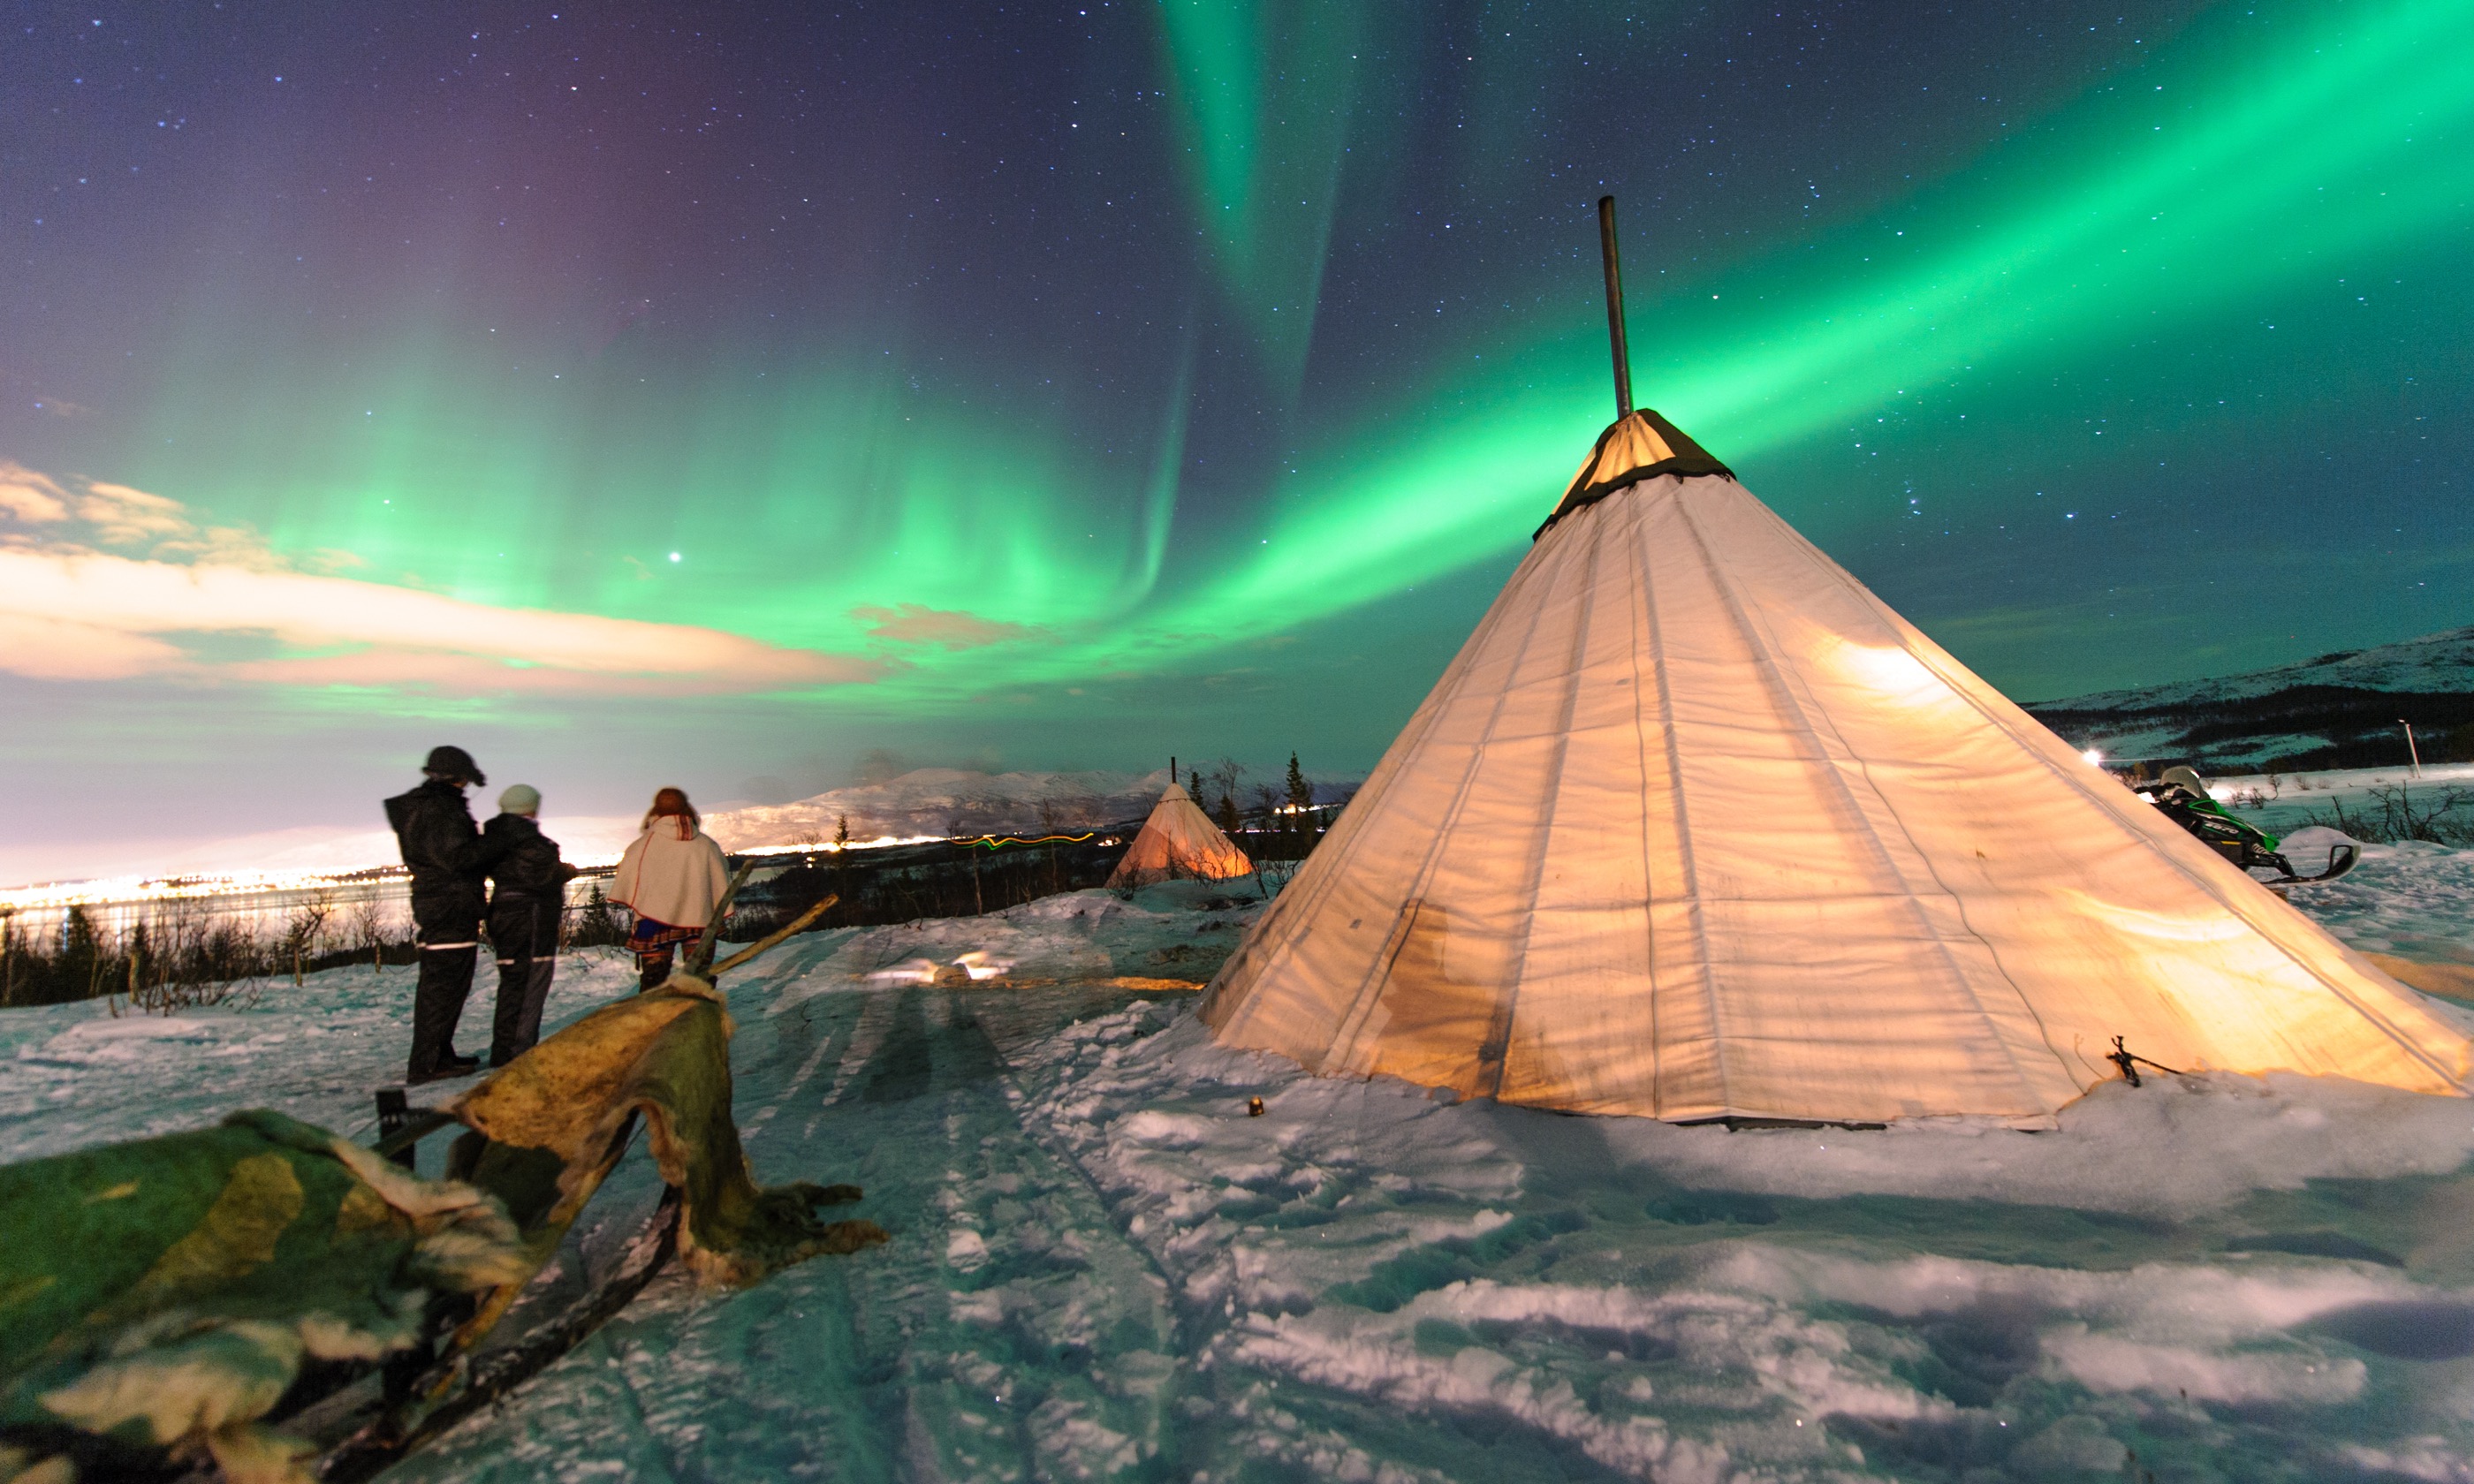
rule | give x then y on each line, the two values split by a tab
773	938
700	961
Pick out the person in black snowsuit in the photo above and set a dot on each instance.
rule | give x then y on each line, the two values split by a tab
448	859
527	897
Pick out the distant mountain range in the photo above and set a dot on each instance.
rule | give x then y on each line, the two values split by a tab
2339	710
945	801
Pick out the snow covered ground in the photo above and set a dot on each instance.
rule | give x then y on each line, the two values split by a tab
1103	1267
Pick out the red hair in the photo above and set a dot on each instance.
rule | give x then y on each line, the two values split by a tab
672	804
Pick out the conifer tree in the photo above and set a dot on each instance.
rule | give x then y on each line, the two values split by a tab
597	924
1301	792
841	859
81	950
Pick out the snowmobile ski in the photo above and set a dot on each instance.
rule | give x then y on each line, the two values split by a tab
2340	859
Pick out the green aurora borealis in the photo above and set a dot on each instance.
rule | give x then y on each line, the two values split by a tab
1193	389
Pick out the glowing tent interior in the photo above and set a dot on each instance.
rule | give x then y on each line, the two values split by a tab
1694	827
1178	841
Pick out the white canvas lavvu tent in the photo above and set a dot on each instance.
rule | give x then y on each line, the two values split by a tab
1178	841
1695	826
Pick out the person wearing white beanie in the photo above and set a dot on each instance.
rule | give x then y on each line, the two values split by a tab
527	906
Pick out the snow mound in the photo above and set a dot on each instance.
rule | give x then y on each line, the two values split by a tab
2413	900
123	1042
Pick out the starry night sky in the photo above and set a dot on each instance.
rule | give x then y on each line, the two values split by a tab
715	394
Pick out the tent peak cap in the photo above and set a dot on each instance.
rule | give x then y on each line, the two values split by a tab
1640	445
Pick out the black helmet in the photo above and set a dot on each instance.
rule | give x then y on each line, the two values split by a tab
454	762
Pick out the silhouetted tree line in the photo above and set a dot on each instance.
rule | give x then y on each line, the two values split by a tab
943	879
190	952
186	954
1277	822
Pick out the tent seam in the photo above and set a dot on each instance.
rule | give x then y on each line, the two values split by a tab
1305	898
2406	1042
1573	669
1764	643
1683	815
1368	992
1959	902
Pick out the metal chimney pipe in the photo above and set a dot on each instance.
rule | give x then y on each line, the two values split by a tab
1615	306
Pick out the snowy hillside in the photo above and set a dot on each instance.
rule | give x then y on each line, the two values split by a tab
1103	1268
2339	710
2441	662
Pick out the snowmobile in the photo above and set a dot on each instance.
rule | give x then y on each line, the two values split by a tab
2182	796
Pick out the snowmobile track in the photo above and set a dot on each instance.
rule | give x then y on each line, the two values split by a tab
1006	1264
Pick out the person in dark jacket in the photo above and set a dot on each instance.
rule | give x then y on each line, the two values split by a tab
528	892
448	860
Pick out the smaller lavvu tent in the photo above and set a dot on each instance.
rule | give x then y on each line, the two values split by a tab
1179	842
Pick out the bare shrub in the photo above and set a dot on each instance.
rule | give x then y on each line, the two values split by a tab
308	925
2394	814
183	958
367	925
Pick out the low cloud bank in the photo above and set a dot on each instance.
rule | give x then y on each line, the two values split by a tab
104	583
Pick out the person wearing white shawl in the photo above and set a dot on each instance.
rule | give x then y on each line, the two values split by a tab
671	878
